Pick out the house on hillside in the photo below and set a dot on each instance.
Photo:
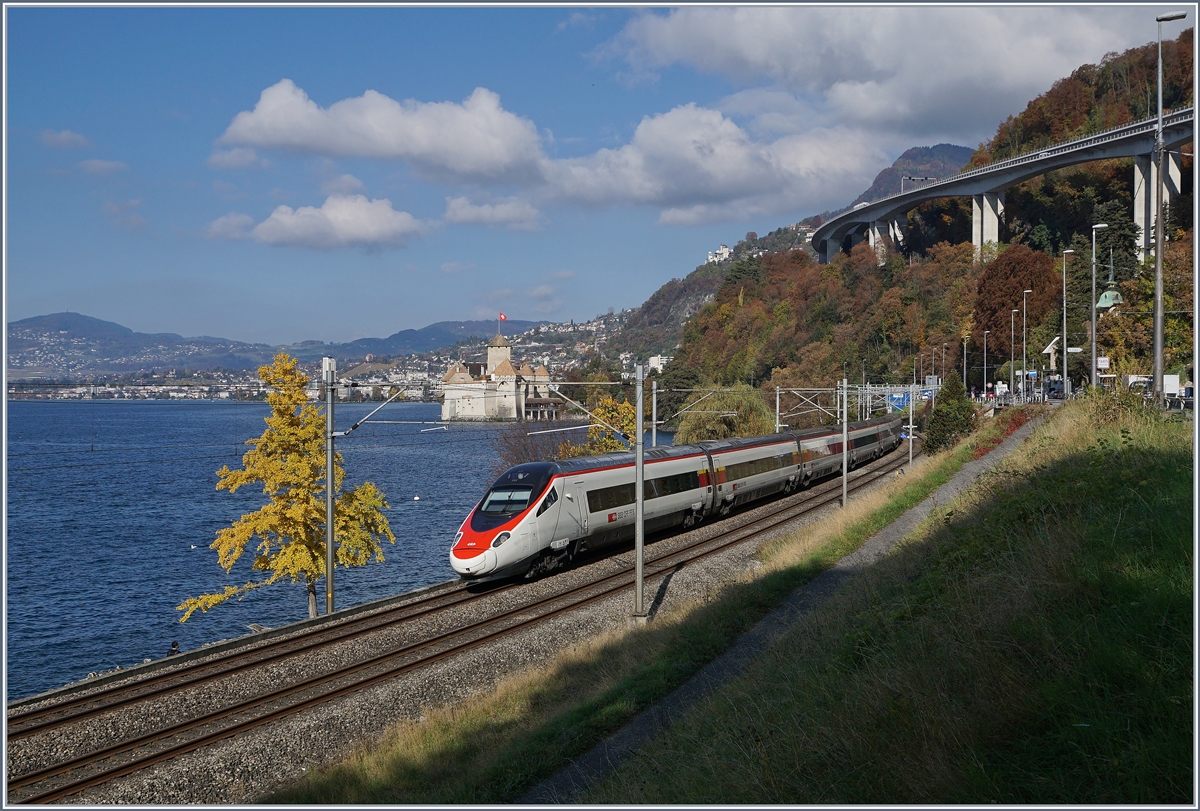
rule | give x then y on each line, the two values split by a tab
498	390
720	254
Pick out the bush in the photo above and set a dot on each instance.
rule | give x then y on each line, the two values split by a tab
953	415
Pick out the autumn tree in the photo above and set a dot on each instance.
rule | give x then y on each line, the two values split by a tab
600	438
1016	269
287	535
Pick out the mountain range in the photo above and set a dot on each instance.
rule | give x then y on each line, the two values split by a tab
65	344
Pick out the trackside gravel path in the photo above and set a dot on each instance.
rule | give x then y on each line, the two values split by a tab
568	784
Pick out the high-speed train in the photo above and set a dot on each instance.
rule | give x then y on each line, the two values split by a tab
538	516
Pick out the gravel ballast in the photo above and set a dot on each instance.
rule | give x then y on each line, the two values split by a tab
252	765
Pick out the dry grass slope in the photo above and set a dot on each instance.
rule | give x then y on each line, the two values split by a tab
1031	644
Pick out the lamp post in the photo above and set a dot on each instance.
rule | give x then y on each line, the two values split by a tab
964	360
906	177
639	483
329	377
1064	324
1012	345
1024	354
1095	228
985	335
944	361
1160	151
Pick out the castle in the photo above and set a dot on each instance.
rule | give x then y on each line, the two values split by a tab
498	390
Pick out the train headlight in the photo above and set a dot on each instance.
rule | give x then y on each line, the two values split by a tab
501	538
457	538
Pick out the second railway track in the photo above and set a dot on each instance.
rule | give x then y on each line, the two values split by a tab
81	767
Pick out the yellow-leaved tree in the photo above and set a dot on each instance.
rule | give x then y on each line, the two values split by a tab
622	416
288	534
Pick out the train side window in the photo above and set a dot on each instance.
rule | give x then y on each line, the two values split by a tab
551	497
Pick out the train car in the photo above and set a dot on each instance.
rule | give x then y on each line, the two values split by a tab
538	516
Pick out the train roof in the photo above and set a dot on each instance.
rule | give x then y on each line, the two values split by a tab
619	458
580	464
745	441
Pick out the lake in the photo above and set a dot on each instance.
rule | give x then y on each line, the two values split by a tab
112	505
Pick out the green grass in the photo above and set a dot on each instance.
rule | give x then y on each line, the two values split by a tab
493	749
1032	644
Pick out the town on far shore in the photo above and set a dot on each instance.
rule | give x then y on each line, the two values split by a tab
506	378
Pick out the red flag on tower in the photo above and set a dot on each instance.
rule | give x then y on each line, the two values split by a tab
503	317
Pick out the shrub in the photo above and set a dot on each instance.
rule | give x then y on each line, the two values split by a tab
953	415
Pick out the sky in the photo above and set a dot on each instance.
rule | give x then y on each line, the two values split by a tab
275	175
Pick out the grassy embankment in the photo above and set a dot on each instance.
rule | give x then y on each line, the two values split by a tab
494	748
1034	645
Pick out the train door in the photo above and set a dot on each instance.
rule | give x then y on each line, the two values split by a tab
572	517
545	519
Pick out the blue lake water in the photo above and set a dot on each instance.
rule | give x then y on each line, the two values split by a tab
111	507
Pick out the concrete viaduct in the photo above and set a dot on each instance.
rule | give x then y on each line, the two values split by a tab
986	185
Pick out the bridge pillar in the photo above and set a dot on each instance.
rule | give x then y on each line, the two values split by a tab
987	210
876	232
1145	186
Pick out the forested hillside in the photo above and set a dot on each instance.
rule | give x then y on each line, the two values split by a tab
784	320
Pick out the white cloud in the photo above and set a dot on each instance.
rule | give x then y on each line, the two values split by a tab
451	268
99	167
125	216
343	220
512	213
917	69
542	300
476	140
578	20
236	158
828	97
563	275
231	226
64	139
343	184
696	165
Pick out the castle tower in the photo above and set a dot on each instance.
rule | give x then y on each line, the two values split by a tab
499	350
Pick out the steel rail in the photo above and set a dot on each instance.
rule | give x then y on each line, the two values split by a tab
616	582
123	695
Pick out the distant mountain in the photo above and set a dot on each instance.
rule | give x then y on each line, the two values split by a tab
938	161
67	344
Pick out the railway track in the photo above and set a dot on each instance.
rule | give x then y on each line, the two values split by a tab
73	774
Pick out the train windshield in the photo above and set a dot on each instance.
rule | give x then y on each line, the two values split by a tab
513	492
506	500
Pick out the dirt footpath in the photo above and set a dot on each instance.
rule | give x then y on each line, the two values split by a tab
568	784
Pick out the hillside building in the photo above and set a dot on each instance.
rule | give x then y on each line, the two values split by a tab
720	254
498	390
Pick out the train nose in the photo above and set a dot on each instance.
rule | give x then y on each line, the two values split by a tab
469	555
474	566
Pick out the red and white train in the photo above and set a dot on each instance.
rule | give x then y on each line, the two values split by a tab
540	515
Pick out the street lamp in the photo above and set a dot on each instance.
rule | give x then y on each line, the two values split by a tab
1064	324
1095	228
1160	150
964	359
1024	355
1012	345
985	335
906	177
944	362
